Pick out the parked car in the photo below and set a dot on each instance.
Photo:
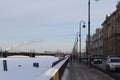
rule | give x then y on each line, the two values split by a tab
111	56
97	59
113	63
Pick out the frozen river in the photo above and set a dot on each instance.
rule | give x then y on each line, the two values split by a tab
21	68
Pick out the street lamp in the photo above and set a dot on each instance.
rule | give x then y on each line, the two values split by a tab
88	52
89	29
77	41
77	45
80	35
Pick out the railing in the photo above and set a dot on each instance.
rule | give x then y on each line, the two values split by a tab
56	72
61	68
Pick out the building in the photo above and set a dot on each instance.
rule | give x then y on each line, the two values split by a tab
97	42
111	33
106	41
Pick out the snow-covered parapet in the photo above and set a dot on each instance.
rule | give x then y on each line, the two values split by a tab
53	72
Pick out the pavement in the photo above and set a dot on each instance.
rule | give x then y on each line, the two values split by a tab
81	71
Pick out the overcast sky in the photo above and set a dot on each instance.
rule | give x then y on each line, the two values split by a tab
48	25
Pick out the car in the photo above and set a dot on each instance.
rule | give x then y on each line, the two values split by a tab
111	56
97	59
113	64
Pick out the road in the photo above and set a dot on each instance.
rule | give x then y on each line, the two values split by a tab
102	67
80	71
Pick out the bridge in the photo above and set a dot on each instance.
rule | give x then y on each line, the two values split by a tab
6	54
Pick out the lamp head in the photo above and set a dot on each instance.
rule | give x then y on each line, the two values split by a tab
84	26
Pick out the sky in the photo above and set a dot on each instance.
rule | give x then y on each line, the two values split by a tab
48	25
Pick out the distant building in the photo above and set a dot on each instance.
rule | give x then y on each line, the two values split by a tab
97	42
89	49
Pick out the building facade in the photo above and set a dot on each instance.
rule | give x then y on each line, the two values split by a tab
111	31
106	41
97	42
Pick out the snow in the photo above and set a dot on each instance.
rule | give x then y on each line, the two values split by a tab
51	72
21	67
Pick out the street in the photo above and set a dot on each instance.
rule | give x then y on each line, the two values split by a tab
102	67
80	71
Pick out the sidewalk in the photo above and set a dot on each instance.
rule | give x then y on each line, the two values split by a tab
80	71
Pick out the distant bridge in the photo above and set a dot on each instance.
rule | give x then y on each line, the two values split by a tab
6	54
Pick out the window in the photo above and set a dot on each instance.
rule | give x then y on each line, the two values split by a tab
115	60
118	23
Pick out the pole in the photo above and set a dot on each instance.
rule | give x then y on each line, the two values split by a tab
5	65
80	39
77	46
88	32
80	36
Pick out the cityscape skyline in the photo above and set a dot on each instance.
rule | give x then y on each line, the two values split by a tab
44	25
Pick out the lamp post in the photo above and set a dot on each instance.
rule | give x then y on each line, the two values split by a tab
80	36
89	30
88	52
77	41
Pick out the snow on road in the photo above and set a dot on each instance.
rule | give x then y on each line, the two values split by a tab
21	68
